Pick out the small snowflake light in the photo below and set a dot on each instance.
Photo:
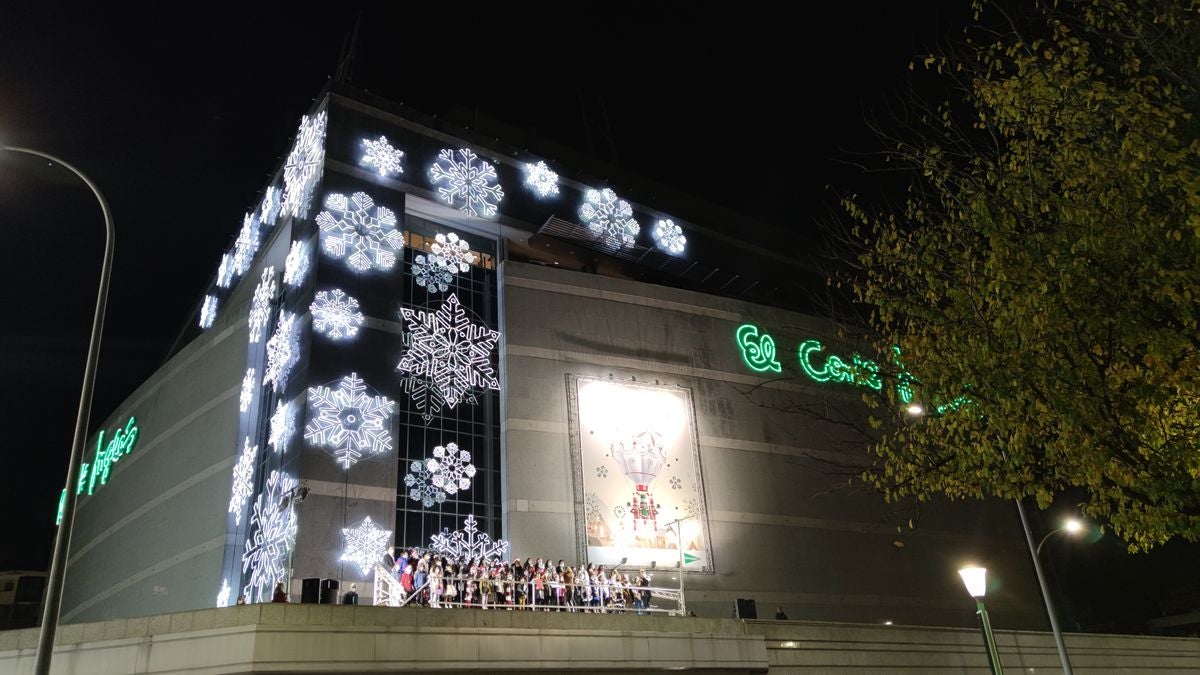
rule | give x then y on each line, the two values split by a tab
452	352
282	426
283	351
451	253
349	421
419	482
269	211
295	266
336	315
451	468
225	271
366	544
382	156
669	237
246	245
243	481
609	217
272	537
260	306
540	179
223	594
468	543
363	234
247	395
303	165
208	311
467	182
431	276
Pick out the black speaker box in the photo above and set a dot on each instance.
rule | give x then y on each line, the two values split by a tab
329	591
310	592
746	608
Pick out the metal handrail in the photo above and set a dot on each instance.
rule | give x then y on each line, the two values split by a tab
591	604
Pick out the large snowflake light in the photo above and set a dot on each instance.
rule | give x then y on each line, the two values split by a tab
225	271
452	352
336	315
272	537
381	155
208	311
363	234
430	275
349	421
269	211
243	481
365	544
451	468
451	253
468	543
295	266
420	485
669	237
304	165
247	395
260	306
283	351
223	594
246	245
540	179
609	217
282	426
470	183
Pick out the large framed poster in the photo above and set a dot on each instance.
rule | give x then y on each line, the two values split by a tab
639	490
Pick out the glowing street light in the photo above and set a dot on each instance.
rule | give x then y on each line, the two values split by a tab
975	579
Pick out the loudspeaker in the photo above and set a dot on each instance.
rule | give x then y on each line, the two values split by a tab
329	591
310	592
746	609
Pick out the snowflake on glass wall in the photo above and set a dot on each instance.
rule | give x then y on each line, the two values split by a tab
426	397
295	266
419	482
609	217
283	351
243	481
208	311
245	246
283	426
247	395
676	483
691	506
349	421
619	512
468	543
451	253
355	229
272	537
225	271
470	183
336	315
451	468
366	544
431	276
381	155
601	472
223	594
269	211
669	237
452	352
540	179
303	165
260	306
591	507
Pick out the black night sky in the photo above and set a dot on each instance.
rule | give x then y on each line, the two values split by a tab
180	114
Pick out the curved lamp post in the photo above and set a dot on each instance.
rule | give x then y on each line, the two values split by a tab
975	579
62	540
1070	526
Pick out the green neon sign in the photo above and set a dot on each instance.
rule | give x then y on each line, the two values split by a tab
859	371
758	351
106	455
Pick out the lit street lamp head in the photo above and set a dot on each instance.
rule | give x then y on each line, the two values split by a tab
975	579
915	410
1073	526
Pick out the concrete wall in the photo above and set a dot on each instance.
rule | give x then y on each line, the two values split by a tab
784	529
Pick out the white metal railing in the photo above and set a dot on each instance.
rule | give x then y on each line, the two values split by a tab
596	598
388	592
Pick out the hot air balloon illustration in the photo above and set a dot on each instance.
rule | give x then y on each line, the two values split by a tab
640	456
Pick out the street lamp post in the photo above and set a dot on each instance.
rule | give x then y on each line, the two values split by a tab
975	579
1034	552
62	540
1070	526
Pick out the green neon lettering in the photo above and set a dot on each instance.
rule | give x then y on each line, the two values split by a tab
904	379
860	371
62	507
758	351
99	465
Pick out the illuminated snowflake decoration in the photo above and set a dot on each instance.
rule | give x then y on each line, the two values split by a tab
245	246
303	165
336	315
419	482
260	306
269	211
426	397
451	253
431	276
452	352
450	468
295	266
225	271
366	544
540	179
272	537
283	351
669	237
382	156
609	217
282	426
349	421
247	395
468	543
223	594
208	311
470	183
243	481
355	229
